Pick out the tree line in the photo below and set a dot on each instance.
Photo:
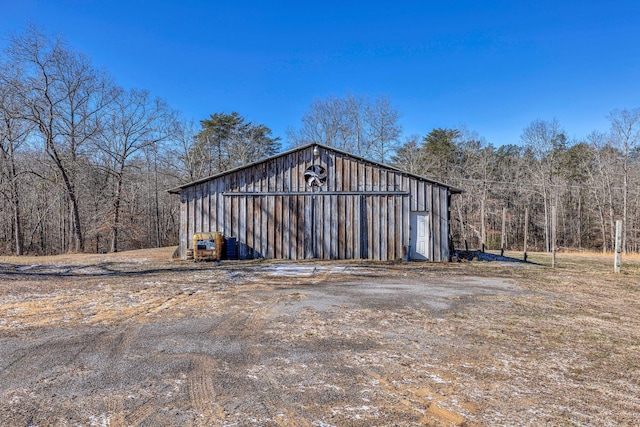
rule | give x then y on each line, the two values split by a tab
85	163
591	183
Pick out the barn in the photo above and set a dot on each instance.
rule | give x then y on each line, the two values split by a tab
316	201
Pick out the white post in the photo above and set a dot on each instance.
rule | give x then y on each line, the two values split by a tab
554	224
617	257
526	231
503	237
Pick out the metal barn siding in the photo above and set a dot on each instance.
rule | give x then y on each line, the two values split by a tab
362	211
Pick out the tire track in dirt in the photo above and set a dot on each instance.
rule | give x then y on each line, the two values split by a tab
237	329
285	414
119	418
275	402
140	311
65	348
140	415
202	395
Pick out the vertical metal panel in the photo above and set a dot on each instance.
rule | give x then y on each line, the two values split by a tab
277	163
234	217
360	183
355	227
220	206
301	168
338	174
255	227
271	231
383	180
191	216
414	194
406	209
316	235
184	222
347	168
399	226
421	191
384	226
435	224
240	213
333	235
309	220
242	227
206	204
264	226
330	165
276	225
392	203
444	224
295	174
197	213
227	207
213	206
300	218
286	179
368	178
293	228
365	230
390	253
250	216
326	228
342	226
354	180
286	226
271	176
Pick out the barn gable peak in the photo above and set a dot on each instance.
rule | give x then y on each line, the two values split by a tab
316	151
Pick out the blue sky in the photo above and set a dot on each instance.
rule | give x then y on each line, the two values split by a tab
494	66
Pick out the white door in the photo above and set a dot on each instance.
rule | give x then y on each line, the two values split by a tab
419	239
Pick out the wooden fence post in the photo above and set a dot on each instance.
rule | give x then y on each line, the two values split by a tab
483	230
554	225
618	257
526	231
503	237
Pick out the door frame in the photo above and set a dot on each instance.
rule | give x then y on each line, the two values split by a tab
413	234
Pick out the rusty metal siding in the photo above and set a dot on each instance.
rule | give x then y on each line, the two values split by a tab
363	211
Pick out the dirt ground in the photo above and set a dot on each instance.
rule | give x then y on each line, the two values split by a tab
137	339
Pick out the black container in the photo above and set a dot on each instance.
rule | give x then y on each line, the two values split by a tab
230	248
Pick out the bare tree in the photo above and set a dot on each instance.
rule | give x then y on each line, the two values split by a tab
135	121
14	130
384	128
353	123
63	95
545	140
407	155
625	136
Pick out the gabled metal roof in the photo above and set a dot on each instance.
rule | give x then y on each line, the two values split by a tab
176	190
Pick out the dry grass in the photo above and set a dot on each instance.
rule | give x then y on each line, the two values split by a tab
558	348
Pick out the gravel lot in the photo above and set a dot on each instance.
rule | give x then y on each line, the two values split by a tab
137	339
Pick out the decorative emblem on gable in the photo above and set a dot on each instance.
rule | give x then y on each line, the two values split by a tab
315	175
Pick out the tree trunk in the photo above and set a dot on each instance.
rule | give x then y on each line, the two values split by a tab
15	195
483	228
157	201
625	195
116	212
547	239
17	224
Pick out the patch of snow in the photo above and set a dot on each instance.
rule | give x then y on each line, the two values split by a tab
27	267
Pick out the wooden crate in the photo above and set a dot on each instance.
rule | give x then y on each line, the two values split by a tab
207	246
